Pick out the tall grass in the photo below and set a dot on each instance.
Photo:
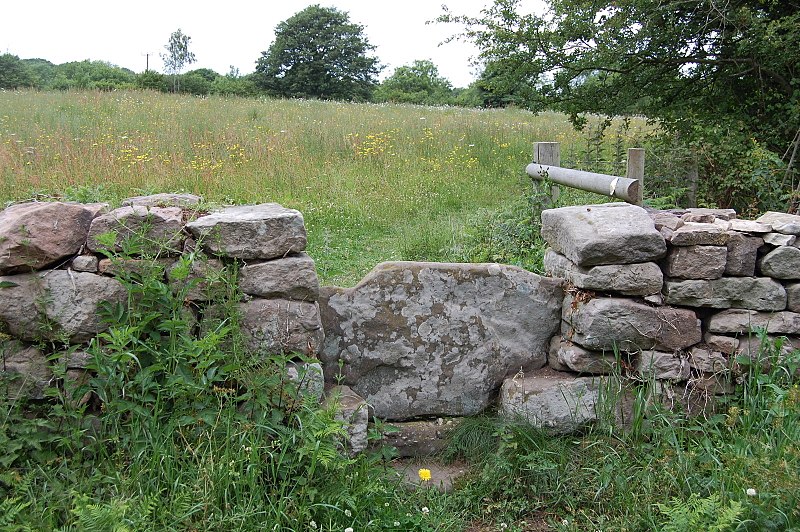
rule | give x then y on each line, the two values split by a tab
374	182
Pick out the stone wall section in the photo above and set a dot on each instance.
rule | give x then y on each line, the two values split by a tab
54	274
724	279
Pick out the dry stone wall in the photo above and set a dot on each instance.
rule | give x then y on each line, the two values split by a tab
54	273
671	297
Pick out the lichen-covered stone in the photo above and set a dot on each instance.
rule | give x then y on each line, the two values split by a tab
628	279
611	233
421	339
266	231
756	293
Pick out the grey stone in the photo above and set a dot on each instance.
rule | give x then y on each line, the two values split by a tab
272	326
779	239
293	277
204	279
117	267
74	380
422	339
722	214
556	402
742	255
756	293
696	262
705	359
605	324
781	222
353	412
723	224
142	230
738	321
781	263
164	200
26	369
765	352
49	305
793	297
662	219
85	263
750	226
611	233
265	231
708	385
37	235
655	299
420	439
662	366
628	279
553	360
581	360
724	344
308	378
76	359
698	218
696	234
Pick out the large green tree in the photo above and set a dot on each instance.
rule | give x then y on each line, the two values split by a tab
177	56
14	73
697	66
418	83
319	53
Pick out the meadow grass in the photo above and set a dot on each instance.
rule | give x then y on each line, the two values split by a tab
374	182
235	448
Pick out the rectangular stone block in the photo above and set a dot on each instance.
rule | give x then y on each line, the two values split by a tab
611	233
607	323
628	279
696	262
660	365
741	321
698	234
742	254
756	293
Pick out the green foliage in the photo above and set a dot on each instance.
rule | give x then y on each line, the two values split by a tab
177	56
95	75
318	53
14	74
418	83
696	513
720	76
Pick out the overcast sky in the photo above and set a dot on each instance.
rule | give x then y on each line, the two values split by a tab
233	32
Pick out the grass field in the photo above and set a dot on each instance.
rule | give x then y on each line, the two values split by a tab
206	438
374	182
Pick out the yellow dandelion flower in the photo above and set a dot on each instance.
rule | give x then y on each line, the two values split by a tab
424	475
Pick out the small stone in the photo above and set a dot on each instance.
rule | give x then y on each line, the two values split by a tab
779	239
26	369
662	219
742	254
138	230
164	200
706	360
697	234
628	279
781	263
793	295
293	277
757	293
722	214
724	344
353	411
85	263
582	360
696	262
741	321
698	218
662	366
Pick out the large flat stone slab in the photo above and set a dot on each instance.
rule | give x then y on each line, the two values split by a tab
628	279
36	235
756	293
56	304
781	222
611	233
266	231
423	339
608	323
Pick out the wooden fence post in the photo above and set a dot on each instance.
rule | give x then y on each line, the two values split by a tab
636	170
547	154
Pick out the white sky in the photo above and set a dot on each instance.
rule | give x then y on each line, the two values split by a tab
233	32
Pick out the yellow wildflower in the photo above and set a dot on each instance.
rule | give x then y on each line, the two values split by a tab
424	475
